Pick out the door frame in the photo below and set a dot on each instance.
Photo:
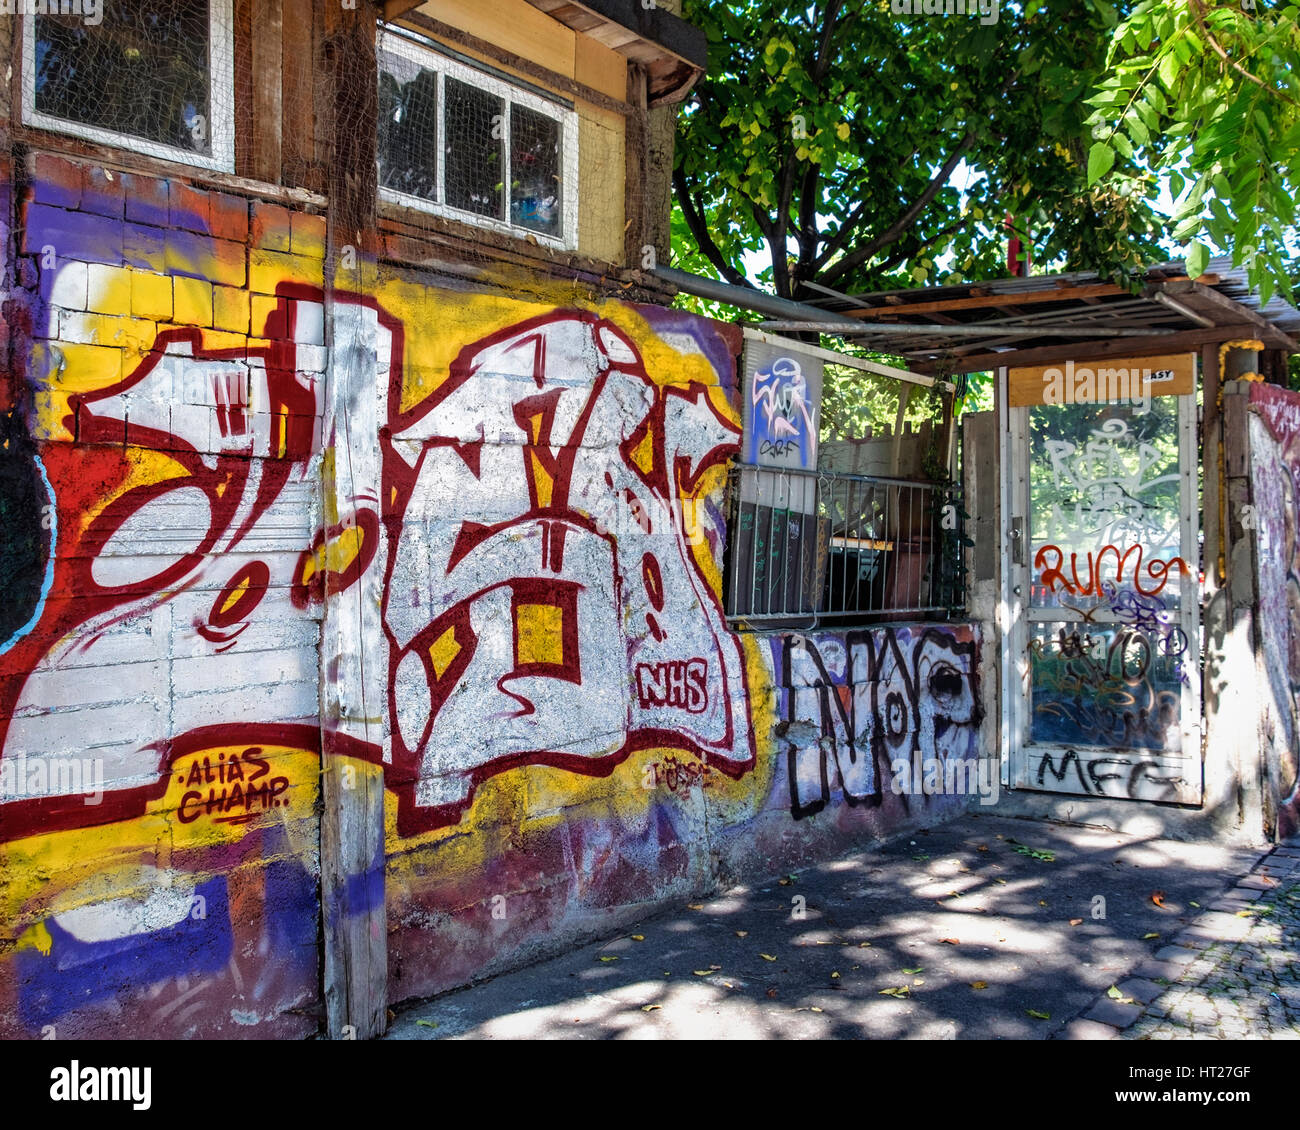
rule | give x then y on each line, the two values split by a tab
1014	605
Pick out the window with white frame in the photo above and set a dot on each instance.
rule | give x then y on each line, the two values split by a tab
153	76
468	144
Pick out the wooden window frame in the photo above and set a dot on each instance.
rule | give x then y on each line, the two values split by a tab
446	64
221	95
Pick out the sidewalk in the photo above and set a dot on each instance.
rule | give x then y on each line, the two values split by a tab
985	928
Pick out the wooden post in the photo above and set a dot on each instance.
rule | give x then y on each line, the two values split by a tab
352	651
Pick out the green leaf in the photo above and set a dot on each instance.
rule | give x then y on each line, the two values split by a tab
1101	158
1197	259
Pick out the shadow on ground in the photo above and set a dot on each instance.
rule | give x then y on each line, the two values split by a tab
973	928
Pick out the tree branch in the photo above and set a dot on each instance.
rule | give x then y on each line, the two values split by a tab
896	230
694	215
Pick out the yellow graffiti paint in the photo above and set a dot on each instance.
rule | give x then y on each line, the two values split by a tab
444	651
538	630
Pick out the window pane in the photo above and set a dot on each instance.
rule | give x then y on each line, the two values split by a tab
534	171
408	127
142	71
475	150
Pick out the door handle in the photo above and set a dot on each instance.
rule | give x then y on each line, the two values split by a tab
1017	541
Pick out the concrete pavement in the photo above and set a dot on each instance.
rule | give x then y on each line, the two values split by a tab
984	928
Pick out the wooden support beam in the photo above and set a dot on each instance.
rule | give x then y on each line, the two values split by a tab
352	850
1061	294
1089	350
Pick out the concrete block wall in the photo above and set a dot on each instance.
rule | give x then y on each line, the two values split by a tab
519	520
159	655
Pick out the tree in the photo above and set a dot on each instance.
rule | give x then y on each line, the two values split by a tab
1207	94
829	132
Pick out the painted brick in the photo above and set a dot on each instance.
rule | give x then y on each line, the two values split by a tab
271	227
102	192
188	208
217	260
57	182
75	235
144	247
146	199
66	284
77	368
229	216
230	308
135	334
192	301
151	295
268	269
307	235
109	290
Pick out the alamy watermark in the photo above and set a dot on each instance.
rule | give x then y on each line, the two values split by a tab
1082	384
987	10
951	776
90	11
22	777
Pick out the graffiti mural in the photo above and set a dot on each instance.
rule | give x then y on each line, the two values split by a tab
522	629
1275	496
782	406
526	499
858	704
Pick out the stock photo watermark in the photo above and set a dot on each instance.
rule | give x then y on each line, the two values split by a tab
986	10
24	777
952	776
91	12
1082	384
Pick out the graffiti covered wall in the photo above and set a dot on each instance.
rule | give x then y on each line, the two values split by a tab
566	729
1274	422
159	732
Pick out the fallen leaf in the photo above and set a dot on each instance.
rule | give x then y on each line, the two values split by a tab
1002	881
950	941
638	937
650	1007
1195	904
715	967
784	882
918	980
1116	995
912	971
1076	921
742	933
982	847
728	984
1038	1015
863	945
979	984
608	958
954	894
702	972
1148	937
1244	913
427	1023
767	957
1042	902
814	1008
695	906
1158	897
834	976
900	991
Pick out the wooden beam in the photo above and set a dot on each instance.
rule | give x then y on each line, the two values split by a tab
354	927
1195	295
1061	294
268	90
834	358
1089	350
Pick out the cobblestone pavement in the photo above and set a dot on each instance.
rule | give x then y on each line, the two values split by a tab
1235	972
